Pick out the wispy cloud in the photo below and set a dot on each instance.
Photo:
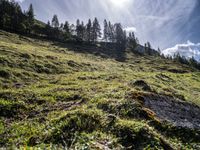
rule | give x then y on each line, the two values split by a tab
162	22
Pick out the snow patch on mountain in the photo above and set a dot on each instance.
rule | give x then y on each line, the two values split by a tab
187	50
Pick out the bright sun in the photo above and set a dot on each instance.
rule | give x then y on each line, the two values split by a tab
119	2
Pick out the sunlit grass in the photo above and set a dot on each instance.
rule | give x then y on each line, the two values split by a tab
52	91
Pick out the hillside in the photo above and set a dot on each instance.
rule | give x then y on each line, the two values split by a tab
92	97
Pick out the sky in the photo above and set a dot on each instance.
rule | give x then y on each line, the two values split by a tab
164	23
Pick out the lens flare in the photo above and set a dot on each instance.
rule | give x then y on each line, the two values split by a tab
119	3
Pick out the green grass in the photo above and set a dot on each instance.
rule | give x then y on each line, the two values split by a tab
53	96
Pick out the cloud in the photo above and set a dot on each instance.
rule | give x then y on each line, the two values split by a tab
19	1
156	21
188	50
130	29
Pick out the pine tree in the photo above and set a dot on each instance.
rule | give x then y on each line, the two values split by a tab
82	30
61	26
124	38
149	49
193	62
30	18
96	30
111	37
55	22
159	51
132	40
137	41
30	14
119	33
145	48
106	31
148	45
66	30
89	30
79	29
17	18
77	22
66	27
48	30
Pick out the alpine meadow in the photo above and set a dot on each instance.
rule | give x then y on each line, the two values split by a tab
93	84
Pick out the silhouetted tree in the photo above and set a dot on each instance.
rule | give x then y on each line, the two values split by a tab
106	31
145	48
80	30
61	26
11	16
66	29
132	43
159	51
137	41
48	30
111	36
148	49
55	22
120	35
30	18
89	31
194	63
148	45
96	30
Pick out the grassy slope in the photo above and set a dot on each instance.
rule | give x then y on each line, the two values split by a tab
51	94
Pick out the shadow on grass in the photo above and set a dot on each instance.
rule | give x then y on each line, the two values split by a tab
104	50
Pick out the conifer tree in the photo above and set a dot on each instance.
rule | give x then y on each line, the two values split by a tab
132	40
119	33
148	45
159	51
145	48
66	27
106	31
55	22
30	14
48	29
111	36
149	49
30	18
137	41
89	30
96	30
80	29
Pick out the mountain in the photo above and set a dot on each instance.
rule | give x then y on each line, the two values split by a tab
187	50
91	96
